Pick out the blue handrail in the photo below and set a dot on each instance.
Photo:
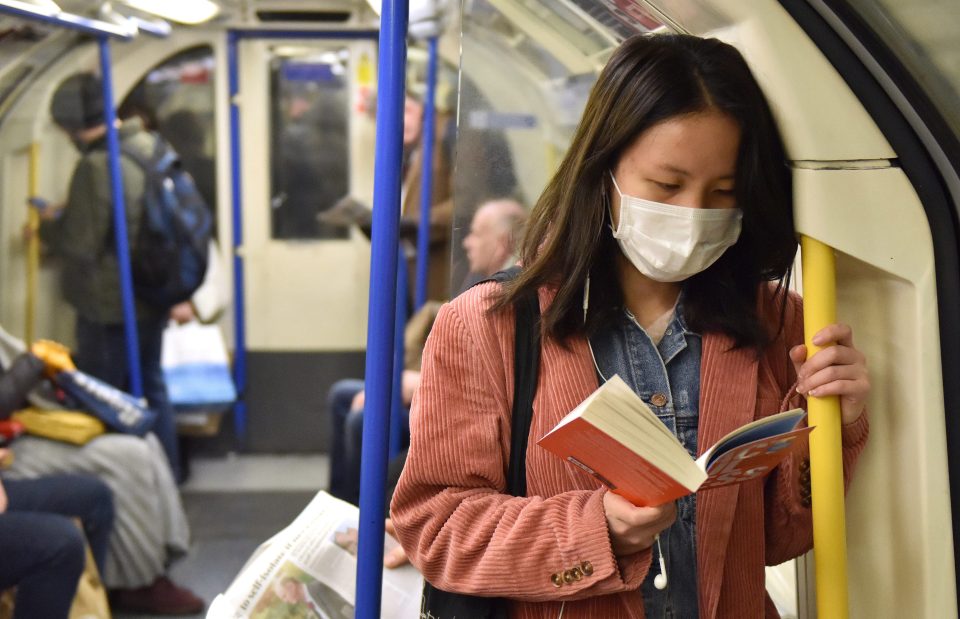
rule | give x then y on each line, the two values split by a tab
381	313
236	196
120	223
426	175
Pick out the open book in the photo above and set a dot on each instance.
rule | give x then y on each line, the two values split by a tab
614	436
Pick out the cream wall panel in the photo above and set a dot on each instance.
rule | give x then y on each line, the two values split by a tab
819	115
898	512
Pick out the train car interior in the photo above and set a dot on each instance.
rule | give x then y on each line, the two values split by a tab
272	107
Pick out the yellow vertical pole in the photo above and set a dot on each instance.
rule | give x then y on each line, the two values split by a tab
826	463
33	245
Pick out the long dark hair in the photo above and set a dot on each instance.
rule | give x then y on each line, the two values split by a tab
649	79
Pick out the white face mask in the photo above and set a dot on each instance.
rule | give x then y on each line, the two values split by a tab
670	243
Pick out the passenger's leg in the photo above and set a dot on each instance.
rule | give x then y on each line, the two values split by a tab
101	351
155	390
43	555
76	496
353	437
339	399
150	525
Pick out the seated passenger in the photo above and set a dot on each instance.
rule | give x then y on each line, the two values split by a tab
42	548
659	251
346	400
490	247
150	528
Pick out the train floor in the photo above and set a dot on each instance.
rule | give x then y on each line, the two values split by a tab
234	504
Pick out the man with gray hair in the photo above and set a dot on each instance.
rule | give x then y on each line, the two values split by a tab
494	232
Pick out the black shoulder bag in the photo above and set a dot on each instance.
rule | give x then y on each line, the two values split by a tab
438	604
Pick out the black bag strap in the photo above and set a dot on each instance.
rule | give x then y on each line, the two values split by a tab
526	369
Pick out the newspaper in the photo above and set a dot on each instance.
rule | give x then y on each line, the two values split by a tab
308	571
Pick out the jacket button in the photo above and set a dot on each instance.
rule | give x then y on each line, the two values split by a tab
577	572
806	501
587	568
805	465
658	399
567	576
556	579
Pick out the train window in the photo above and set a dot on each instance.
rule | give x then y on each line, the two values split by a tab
923	36
309	122
176	99
26	49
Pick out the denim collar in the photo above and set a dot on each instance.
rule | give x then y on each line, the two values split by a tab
675	337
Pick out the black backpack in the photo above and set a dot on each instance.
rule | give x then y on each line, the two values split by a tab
169	253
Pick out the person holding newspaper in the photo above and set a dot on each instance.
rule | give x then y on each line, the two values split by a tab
660	251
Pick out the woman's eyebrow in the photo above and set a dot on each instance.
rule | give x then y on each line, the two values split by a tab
666	167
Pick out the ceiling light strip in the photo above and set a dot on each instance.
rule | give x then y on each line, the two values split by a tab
60	19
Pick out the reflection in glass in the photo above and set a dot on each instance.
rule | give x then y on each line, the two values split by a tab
309	142
175	99
922	34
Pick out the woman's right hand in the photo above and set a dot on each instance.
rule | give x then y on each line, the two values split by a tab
633	528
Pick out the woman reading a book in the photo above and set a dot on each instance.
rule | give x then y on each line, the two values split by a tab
660	252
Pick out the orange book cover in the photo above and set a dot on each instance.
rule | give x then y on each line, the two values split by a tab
615	437
615	465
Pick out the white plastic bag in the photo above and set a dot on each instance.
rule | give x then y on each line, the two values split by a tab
196	368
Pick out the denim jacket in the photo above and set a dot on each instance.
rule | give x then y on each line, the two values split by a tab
667	379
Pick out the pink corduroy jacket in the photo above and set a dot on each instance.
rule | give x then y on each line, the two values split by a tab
465	535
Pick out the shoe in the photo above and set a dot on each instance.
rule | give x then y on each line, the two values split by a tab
163	597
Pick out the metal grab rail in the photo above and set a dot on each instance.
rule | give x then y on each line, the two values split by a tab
826	462
381	321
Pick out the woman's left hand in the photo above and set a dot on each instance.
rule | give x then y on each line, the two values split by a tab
839	370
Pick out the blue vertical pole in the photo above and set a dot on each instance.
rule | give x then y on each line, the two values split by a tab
236	189
120	222
396	427
426	175
381	314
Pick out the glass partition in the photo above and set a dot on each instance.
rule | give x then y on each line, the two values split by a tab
526	69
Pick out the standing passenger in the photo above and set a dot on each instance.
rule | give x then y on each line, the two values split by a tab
82	234
653	251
